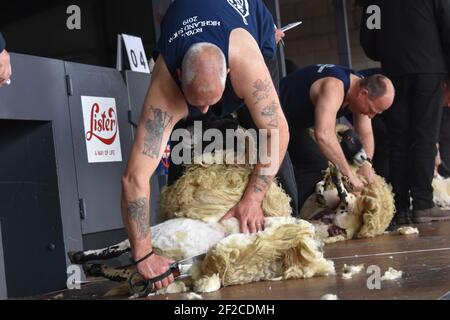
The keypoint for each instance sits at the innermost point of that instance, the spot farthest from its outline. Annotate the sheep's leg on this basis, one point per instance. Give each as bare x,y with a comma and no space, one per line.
320,193
102,270
114,251
337,179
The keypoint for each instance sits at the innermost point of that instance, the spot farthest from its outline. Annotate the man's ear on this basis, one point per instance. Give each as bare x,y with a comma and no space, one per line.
179,74
364,92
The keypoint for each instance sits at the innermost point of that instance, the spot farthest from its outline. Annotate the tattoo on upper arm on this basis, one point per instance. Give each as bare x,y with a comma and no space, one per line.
139,213
271,112
262,182
154,127
261,89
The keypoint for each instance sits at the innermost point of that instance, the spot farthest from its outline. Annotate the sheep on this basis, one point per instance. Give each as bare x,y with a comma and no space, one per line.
441,193
339,215
286,249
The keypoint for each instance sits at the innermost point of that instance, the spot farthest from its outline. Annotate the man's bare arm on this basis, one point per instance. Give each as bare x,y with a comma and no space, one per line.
164,107
327,95
252,81
363,127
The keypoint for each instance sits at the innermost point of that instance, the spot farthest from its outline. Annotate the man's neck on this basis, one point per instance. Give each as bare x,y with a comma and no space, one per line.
354,85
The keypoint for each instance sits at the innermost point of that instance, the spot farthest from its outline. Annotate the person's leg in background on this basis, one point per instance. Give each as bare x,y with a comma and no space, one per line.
398,125
426,110
381,155
308,161
444,137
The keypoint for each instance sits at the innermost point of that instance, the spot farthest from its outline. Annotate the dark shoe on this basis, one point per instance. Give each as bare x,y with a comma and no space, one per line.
430,215
403,217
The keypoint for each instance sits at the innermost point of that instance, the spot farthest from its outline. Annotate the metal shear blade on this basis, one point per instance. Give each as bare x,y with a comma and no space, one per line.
179,270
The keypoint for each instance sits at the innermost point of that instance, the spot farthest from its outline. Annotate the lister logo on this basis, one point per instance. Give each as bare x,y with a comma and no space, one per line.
103,125
101,129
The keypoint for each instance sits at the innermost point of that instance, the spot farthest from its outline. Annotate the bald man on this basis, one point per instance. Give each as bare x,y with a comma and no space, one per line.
201,43
5,63
315,97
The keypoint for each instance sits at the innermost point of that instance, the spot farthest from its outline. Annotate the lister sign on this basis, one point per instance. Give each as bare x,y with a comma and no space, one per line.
101,129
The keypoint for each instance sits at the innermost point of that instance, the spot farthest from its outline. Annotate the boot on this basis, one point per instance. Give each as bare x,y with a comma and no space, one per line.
403,217
429,215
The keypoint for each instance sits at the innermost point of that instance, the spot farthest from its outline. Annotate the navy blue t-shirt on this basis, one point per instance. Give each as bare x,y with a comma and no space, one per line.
295,92
192,21
2,43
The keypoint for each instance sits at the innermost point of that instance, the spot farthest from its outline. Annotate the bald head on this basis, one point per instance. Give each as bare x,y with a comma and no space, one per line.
374,95
377,86
203,74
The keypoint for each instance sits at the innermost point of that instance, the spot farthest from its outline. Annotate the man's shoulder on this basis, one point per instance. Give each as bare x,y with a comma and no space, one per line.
329,83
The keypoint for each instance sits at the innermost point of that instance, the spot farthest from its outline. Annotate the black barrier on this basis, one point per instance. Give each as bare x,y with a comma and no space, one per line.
38,197
99,188
52,198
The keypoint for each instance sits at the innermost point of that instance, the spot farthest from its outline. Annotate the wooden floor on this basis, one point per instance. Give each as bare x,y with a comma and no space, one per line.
424,260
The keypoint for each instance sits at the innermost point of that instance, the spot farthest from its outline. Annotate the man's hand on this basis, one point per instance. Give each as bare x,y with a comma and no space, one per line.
367,172
156,266
356,184
5,67
279,35
249,214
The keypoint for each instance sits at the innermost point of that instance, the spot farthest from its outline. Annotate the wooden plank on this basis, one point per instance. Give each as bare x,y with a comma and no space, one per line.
424,259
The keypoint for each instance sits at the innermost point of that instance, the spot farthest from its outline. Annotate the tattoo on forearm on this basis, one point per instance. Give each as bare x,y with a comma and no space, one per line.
154,127
271,112
139,213
262,182
261,90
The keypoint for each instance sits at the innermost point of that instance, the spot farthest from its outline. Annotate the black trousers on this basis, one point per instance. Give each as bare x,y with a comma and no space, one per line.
308,161
286,172
444,137
381,138
413,124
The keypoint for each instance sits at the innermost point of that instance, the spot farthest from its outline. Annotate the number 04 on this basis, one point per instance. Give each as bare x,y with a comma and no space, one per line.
141,59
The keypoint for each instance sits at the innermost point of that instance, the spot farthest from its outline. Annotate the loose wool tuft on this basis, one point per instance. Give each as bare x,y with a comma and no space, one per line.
208,192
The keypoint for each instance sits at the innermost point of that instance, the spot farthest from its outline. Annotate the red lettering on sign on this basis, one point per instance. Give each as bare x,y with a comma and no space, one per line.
102,124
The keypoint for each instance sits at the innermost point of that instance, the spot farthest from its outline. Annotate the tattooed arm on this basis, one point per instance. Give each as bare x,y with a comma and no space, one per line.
251,81
164,107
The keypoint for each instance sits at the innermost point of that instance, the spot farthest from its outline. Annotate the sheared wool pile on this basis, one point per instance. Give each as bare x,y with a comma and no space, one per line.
208,192
286,249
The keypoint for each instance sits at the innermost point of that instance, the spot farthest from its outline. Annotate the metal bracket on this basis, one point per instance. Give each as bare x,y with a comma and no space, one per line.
82,206
69,85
